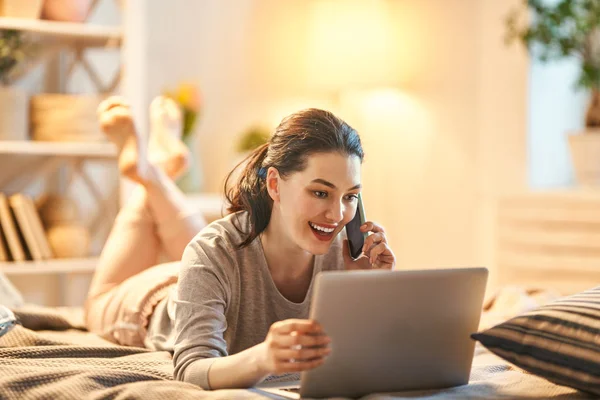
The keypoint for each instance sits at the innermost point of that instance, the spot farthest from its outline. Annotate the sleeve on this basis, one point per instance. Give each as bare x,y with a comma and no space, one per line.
202,296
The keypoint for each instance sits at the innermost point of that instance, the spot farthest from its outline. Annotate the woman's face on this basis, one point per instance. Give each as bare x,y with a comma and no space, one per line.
317,203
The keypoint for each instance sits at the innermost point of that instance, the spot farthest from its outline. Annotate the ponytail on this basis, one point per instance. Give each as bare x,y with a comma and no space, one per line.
250,194
299,135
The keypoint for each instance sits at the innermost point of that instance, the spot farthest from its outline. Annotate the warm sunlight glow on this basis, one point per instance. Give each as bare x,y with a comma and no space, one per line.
352,44
384,112
286,106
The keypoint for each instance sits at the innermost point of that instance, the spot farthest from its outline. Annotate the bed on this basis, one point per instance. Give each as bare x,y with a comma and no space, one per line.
52,356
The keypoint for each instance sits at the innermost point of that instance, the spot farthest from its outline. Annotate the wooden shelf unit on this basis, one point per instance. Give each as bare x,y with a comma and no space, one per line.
86,35
52,40
54,266
59,149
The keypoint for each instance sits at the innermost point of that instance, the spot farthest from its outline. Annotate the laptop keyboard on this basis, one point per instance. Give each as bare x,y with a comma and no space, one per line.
290,377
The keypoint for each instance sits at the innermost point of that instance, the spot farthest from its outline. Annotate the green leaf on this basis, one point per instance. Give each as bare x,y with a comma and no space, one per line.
12,52
560,29
253,138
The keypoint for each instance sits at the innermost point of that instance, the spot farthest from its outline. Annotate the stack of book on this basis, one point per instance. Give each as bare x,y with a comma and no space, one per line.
22,235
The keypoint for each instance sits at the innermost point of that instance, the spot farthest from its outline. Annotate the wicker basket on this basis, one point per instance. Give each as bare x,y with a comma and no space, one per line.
65,118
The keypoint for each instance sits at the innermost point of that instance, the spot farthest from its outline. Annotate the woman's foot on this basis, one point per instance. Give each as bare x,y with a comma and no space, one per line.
115,119
166,148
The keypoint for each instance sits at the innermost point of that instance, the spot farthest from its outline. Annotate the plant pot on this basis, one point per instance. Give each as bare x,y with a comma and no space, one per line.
66,10
585,156
14,113
28,9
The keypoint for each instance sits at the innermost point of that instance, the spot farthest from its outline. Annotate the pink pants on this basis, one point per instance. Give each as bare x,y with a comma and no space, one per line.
121,315
129,280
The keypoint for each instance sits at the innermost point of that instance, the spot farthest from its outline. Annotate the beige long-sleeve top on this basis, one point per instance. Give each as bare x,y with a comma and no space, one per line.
227,300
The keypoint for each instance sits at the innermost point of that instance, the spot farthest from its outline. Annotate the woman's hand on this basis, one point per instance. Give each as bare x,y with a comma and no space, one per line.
376,252
294,345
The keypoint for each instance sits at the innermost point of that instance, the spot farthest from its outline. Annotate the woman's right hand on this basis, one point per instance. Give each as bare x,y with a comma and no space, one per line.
294,345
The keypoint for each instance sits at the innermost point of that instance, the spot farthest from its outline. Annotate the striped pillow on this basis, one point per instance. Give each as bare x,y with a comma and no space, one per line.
559,342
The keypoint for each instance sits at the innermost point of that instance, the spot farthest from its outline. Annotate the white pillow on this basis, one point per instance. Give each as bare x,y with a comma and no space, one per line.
9,295
7,320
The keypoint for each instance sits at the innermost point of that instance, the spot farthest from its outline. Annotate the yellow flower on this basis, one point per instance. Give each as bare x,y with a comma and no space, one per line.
188,96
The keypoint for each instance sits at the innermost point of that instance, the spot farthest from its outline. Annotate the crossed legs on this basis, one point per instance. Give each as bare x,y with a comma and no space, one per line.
155,219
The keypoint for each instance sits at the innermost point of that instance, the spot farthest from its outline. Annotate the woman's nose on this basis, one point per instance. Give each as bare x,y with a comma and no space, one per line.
336,211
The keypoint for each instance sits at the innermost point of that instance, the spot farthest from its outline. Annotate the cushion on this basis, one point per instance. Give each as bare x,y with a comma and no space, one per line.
559,341
7,320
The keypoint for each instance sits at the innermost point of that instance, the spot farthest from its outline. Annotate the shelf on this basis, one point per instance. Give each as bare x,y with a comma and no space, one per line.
83,34
62,149
56,266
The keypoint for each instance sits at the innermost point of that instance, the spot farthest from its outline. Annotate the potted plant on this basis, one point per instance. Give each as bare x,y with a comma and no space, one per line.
13,101
568,29
253,137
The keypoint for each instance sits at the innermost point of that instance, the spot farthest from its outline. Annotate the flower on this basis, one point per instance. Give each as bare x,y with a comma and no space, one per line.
187,96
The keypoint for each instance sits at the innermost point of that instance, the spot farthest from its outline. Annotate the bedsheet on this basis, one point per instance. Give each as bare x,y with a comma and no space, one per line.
51,356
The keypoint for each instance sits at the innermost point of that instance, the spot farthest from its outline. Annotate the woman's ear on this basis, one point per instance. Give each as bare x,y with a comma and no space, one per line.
273,183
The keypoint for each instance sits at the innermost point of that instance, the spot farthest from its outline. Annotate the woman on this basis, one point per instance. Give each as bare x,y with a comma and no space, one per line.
239,309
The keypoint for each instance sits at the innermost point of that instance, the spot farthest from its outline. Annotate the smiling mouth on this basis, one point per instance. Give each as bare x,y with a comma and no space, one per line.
322,232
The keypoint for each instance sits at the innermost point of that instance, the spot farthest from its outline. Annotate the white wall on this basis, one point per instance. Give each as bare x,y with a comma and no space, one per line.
556,109
460,134
245,58
438,152
501,123
425,147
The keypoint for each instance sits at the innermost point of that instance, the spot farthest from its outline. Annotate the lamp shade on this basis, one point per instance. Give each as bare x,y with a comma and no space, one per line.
351,45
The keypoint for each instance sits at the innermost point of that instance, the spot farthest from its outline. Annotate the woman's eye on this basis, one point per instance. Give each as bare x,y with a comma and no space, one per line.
320,194
351,197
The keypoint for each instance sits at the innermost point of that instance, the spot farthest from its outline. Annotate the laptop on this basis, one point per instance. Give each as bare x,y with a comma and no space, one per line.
391,331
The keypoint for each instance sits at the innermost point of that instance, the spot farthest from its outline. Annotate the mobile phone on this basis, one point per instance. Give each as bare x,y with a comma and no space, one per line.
356,238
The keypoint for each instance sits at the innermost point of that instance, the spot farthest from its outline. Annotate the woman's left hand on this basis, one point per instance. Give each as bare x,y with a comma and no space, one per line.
376,252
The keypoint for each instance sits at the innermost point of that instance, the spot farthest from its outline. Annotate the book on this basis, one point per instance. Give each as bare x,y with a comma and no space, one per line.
20,210
4,255
10,230
38,228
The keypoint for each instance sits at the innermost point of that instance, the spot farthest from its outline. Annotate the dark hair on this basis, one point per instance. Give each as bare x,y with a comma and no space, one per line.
299,135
